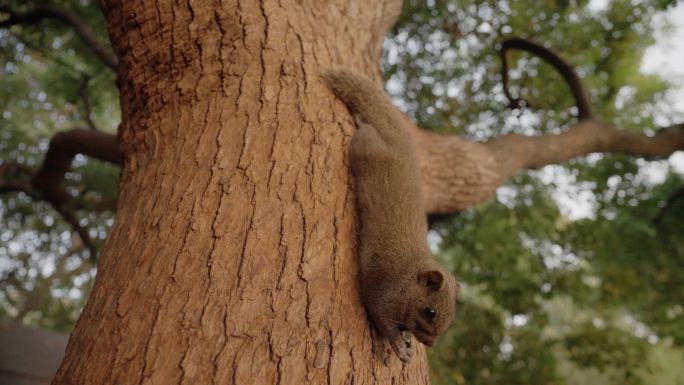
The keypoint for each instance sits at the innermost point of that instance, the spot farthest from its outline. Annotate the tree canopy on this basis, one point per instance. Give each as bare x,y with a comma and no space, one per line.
552,293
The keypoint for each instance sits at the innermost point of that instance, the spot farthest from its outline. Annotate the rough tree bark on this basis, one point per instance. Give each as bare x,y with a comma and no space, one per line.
232,257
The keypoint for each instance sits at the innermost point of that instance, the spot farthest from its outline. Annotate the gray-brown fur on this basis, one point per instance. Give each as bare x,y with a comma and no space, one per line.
400,279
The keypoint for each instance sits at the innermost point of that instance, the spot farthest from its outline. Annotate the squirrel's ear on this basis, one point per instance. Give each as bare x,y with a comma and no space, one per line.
432,279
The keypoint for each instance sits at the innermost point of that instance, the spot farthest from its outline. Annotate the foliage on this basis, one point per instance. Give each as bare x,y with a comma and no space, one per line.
48,76
552,295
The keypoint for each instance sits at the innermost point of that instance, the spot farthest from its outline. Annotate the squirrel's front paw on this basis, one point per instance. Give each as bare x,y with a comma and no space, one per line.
402,343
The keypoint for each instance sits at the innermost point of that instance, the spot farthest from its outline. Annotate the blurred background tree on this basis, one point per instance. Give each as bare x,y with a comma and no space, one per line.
573,275
51,82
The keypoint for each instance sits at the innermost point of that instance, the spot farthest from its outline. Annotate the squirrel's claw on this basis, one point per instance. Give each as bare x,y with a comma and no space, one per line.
402,344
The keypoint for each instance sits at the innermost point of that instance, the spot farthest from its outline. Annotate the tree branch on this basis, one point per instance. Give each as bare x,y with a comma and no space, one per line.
8,167
18,187
66,214
82,232
51,12
458,173
515,152
63,147
566,70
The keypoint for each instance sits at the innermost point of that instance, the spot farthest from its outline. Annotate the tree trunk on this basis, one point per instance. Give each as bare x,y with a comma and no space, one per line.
232,258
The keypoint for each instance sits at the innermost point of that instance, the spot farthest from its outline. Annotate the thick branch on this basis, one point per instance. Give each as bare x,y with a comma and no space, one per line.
458,173
566,70
79,203
63,147
516,152
50,12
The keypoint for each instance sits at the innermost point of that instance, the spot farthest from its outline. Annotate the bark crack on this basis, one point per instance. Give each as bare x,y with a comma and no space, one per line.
244,243
284,249
198,45
222,44
157,309
272,159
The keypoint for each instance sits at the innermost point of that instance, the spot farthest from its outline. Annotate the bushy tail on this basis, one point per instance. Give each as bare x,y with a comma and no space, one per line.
365,98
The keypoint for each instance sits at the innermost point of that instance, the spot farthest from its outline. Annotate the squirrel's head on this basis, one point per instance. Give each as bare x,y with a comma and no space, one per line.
418,302
433,304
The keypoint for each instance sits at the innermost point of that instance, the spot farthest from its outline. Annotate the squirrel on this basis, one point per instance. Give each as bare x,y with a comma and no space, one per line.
404,289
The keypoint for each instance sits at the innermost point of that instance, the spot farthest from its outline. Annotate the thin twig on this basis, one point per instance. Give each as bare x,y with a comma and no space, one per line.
83,93
579,92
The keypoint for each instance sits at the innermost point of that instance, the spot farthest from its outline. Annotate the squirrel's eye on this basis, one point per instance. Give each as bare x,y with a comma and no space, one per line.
429,313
